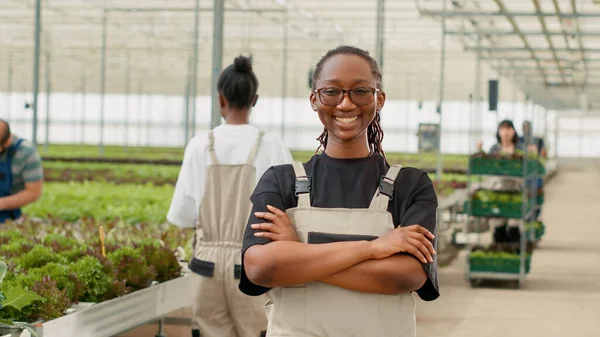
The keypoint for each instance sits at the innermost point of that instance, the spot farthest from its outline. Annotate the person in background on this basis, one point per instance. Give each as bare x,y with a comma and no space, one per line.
534,144
507,140
212,194
340,243
21,174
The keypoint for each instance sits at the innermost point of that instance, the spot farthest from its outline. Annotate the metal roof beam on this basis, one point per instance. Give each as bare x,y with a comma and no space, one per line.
526,33
542,59
500,5
191,9
548,39
562,26
581,49
504,13
509,49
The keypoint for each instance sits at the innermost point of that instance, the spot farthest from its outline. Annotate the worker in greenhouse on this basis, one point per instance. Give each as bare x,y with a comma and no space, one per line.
508,141
217,177
536,144
21,174
340,243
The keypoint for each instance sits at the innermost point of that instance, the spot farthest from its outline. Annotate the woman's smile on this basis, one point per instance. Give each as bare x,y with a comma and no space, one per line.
346,121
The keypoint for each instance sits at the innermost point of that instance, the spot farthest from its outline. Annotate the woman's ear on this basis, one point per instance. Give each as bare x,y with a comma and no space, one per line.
222,101
380,100
313,101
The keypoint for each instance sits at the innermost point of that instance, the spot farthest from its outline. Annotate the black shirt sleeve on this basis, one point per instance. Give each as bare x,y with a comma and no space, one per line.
421,208
267,192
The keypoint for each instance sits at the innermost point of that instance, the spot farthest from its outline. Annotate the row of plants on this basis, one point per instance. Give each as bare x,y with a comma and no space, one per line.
65,270
167,153
130,203
101,174
113,173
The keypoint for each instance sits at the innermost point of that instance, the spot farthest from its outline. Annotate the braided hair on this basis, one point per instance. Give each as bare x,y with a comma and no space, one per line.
374,131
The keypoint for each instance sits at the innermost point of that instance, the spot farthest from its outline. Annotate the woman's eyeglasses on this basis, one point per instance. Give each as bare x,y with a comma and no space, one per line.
335,96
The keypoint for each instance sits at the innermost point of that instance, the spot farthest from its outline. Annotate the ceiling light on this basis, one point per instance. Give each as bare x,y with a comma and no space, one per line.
338,28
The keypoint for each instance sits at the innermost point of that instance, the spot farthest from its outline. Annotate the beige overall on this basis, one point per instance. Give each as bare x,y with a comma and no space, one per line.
321,310
220,308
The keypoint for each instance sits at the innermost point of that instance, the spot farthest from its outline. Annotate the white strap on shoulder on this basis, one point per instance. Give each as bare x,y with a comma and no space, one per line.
211,148
302,185
385,190
255,148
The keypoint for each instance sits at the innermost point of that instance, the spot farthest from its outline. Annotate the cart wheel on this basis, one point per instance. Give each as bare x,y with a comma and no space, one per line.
516,284
475,282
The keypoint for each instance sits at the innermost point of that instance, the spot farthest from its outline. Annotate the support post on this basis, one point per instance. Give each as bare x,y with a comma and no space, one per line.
477,98
379,38
556,131
47,124
102,83
186,117
438,171
127,79
217,61
36,68
195,72
83,112
140,112
9,87
284,73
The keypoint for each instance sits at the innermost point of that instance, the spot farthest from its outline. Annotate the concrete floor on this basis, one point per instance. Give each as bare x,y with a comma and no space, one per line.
561,295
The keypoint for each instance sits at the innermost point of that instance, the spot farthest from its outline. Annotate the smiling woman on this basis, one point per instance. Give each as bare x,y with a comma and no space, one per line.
342,240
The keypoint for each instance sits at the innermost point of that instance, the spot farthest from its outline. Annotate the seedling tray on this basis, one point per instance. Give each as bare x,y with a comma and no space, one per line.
511,265
495,209
505,167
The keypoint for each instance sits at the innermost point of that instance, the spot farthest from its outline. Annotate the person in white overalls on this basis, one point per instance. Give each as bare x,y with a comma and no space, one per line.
340,243
218,174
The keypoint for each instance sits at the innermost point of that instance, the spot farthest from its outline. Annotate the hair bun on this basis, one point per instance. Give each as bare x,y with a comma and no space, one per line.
243,64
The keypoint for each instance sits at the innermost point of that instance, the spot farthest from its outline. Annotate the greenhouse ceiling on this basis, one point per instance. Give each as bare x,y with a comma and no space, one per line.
550,48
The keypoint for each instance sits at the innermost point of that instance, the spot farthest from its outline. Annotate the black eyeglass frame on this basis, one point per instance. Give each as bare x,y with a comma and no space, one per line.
344,92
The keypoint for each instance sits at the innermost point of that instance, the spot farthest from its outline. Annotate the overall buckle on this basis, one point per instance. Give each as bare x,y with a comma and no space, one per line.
386,187
302,185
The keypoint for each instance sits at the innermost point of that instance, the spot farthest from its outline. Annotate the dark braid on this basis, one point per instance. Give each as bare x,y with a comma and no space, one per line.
374,131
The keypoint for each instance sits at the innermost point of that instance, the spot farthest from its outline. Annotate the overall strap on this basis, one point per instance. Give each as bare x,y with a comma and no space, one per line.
385,190
255,148
302,185
12,149
211,148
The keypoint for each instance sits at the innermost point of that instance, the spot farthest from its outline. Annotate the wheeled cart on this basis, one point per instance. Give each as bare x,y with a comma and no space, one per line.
515,196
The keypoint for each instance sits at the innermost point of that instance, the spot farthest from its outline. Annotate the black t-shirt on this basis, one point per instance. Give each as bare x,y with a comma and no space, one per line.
347,183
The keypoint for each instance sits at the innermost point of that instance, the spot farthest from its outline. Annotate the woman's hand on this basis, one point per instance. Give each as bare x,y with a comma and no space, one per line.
410,239
479,146
279,229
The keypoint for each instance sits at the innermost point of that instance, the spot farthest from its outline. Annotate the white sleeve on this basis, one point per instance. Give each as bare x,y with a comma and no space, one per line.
183,211
280,153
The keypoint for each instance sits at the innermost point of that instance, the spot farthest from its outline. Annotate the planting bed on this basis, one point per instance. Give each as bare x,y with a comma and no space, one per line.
65,263
113,173
129,203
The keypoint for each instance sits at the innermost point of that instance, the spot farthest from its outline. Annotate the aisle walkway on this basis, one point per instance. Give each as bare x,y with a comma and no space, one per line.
561,296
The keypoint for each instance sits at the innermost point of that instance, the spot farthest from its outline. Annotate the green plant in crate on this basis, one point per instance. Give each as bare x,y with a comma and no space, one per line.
13,300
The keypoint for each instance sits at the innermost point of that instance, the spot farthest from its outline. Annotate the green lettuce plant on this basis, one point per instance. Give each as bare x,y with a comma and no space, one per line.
16,298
